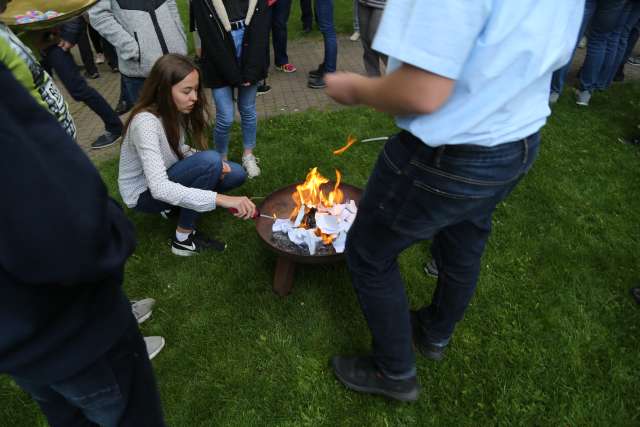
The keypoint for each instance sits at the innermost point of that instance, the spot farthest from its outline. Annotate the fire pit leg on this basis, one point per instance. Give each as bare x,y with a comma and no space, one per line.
283,277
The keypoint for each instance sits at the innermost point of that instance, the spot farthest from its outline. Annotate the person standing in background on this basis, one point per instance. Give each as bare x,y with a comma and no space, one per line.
370,14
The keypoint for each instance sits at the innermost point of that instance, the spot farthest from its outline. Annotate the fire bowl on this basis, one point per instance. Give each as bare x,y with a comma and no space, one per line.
289,254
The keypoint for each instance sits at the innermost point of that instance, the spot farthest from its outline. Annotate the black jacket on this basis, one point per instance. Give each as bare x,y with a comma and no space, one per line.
63,245
219,64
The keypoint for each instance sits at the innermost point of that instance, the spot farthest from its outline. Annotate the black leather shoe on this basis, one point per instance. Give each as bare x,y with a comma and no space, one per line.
318,72
635,293
360,374
316,82
428,350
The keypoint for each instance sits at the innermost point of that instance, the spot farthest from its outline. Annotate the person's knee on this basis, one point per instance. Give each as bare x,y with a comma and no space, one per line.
224,119
211,160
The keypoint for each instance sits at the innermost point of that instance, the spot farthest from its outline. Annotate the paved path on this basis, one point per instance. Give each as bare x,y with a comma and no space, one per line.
289,91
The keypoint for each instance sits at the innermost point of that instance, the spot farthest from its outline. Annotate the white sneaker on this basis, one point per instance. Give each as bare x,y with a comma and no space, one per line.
99,58
142,309
553,97
250,164
584,96
154,345
355,36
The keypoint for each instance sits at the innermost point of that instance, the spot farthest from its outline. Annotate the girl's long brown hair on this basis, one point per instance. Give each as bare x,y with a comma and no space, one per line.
157,99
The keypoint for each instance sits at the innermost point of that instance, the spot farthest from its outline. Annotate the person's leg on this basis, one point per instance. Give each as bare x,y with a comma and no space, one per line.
118,389
110,55
631,16
369,21
559,76
86,55
279,18
324,9
133,87
410,197
306,15
616,45
96,39
79,90
248,116
604,21
223,99
356,22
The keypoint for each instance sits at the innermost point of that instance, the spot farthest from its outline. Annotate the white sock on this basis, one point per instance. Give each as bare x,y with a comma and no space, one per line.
181,237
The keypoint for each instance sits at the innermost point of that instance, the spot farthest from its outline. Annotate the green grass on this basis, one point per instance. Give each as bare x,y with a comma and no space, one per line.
551,337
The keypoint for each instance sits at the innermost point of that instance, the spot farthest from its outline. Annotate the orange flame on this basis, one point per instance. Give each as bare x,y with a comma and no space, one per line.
350,141
310,194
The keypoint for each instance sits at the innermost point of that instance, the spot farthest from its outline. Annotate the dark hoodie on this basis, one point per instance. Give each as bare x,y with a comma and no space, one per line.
63,245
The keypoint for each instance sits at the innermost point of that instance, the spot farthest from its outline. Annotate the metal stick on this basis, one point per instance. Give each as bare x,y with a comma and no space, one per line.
379,138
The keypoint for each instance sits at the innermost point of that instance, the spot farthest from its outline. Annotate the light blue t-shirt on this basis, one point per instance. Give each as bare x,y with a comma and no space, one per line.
500,52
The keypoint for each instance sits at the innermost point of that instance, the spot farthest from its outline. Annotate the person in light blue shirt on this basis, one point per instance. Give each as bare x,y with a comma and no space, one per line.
468,82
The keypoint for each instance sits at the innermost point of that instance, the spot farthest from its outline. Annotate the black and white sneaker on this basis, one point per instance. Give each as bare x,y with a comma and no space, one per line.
194,244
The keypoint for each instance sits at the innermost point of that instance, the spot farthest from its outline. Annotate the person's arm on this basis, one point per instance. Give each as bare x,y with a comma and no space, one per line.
428,43
408,90
57,225
145,133
103,21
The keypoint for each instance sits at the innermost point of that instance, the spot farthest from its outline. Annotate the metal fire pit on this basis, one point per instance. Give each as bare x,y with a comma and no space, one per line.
289,254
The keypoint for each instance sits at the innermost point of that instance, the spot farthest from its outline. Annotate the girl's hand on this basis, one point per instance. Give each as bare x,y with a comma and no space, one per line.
244,206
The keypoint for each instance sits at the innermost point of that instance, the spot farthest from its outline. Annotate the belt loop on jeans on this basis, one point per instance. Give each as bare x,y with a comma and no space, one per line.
236,25
525,156
438,155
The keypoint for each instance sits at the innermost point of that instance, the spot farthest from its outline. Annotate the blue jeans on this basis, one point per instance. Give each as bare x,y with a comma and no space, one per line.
201,170
279,17
356,20
223,98
306,13
415,193
324,12
63,64
560,76
118,389
132,87
604,21
617,43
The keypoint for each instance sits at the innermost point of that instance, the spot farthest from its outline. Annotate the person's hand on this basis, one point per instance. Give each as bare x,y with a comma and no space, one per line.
342,87
65,45
245,208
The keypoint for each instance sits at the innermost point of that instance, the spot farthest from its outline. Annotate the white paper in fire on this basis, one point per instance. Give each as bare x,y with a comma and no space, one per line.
335,222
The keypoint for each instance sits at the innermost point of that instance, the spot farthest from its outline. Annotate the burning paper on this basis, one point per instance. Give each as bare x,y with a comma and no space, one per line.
318,218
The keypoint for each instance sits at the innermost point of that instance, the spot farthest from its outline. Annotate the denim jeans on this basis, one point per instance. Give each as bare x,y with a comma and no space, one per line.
560,76
604,21
118,389
63,64
132,87
617,43
279,17
324,11
223,98
356,19
201,170
415,193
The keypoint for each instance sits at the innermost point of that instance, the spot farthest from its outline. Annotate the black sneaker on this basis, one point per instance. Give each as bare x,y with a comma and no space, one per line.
427,349
361,374
431,268
635,293
122,108
170,213
318,72
194,244
105,140
316,82
92,76
262,89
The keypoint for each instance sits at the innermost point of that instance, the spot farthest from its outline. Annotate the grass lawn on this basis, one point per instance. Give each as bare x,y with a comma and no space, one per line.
551,338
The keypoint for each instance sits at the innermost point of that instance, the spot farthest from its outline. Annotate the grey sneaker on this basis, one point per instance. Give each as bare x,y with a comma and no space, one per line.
250,164
431,268
142,309
633,60
105,140
154,345
553,97
584,96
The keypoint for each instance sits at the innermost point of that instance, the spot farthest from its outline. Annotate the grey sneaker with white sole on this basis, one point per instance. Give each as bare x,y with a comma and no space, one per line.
142,309
154,345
